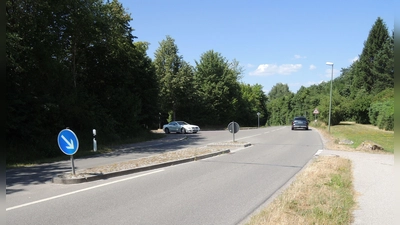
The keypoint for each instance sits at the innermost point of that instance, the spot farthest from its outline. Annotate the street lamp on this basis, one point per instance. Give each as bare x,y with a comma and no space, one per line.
258,119
330,98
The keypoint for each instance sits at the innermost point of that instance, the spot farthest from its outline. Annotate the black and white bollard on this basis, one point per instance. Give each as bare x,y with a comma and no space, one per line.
94,141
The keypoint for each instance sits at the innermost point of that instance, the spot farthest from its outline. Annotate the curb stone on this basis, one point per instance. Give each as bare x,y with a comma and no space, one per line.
243,145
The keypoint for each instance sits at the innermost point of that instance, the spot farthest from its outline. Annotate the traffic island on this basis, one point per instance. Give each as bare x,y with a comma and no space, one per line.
119,169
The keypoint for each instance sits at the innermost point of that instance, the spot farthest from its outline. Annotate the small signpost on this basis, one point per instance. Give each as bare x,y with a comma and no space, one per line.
315,114
69,144
233,128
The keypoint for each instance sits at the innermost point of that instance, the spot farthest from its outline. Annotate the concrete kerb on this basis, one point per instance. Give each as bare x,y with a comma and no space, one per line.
231,144
61,179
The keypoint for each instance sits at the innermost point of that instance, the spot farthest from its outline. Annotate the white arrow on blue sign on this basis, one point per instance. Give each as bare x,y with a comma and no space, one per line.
68,142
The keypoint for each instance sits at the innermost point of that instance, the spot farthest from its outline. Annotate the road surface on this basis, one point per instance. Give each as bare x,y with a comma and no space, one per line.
225,189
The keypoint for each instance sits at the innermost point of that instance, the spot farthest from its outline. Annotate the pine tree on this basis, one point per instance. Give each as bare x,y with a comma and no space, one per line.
383,67
365,79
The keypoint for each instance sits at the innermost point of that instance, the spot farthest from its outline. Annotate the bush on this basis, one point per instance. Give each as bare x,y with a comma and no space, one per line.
388,122
381,114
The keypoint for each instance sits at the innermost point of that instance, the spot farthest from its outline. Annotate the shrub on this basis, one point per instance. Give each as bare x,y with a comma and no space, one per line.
381,114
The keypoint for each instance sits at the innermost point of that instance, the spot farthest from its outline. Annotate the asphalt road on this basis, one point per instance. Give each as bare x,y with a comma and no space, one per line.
225,189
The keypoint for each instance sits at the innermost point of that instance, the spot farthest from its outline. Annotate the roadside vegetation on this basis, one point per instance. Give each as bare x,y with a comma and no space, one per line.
84,69
356,134
321,194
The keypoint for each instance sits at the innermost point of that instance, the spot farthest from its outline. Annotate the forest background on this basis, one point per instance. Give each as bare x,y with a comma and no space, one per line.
76,64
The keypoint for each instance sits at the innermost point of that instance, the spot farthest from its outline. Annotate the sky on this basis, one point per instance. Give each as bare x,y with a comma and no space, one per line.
281,41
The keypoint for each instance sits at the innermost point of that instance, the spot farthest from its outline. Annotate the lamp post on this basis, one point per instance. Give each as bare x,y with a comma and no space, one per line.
258,120
330,98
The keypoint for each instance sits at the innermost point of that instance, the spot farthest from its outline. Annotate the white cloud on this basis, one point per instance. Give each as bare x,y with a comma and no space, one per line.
309,83
354,59
272,69
296,86
312,67
299,57
328,73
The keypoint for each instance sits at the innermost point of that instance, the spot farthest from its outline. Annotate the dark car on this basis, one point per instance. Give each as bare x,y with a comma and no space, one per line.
300,122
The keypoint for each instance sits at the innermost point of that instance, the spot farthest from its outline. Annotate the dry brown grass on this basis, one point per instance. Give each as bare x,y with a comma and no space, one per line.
321,194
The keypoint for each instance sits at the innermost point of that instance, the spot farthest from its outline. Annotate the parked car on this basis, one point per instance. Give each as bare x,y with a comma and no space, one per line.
300,122
180,127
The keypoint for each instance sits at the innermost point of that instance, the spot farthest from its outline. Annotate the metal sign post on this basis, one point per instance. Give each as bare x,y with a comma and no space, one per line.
315,114
233,127
233,133
72,164
69,144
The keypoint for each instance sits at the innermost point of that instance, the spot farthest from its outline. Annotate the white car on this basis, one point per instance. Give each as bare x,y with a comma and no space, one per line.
180,127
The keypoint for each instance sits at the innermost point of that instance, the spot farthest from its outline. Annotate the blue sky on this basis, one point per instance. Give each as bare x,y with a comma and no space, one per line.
274,41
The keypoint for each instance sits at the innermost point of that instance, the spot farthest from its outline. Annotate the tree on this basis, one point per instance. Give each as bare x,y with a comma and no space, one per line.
383,67
253,101
73,64
365,78
185,91
278,90
216,83
280,110
167,63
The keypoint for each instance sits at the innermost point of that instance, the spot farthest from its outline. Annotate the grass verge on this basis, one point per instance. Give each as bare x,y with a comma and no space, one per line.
321,194
357,133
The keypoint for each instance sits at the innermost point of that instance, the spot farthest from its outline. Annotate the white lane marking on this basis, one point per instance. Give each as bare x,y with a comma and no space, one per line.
248,137
318,152
239,149
261,133
82,190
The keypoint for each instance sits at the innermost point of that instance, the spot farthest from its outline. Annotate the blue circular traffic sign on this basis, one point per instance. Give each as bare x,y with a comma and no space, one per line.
68,142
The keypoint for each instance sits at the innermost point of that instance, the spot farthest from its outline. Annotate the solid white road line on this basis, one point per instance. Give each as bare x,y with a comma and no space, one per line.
82,190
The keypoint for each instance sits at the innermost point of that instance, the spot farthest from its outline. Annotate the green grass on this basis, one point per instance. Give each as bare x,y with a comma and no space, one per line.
359,133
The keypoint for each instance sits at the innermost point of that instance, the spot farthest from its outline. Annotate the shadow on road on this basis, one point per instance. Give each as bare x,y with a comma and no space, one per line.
304,130
33,175
43,173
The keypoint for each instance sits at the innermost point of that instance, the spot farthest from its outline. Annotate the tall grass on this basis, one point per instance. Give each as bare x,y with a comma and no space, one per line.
322,194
